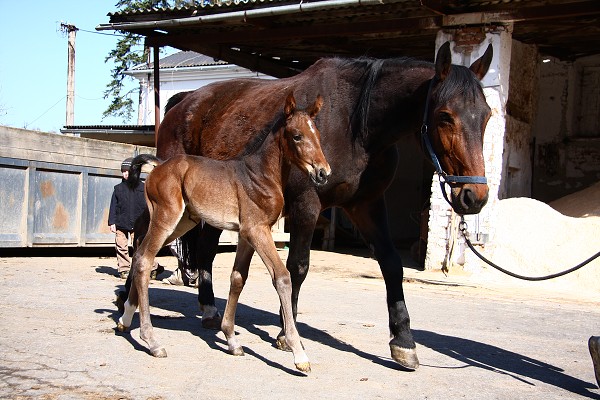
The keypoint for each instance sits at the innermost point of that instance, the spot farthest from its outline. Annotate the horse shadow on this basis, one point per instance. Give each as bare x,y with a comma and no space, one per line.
498,360
185,316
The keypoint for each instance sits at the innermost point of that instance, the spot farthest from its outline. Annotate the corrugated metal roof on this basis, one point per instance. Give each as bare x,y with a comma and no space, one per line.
112,127
183,59
204,4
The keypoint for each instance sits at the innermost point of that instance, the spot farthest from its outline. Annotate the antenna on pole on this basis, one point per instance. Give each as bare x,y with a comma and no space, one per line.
71,31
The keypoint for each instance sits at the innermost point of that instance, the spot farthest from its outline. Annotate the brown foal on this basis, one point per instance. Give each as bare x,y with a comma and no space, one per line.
243,194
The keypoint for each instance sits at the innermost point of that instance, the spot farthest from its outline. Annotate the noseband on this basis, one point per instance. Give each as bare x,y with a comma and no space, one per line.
443,176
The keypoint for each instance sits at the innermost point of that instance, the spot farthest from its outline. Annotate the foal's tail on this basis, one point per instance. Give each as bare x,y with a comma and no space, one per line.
136,167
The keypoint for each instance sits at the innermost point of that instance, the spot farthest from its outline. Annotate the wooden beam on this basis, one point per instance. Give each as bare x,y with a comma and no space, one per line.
253,62
284,34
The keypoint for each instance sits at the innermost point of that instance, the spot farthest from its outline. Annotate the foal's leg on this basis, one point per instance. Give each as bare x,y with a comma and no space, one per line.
303,213
371,220
239,274
262,240
143,260
150,247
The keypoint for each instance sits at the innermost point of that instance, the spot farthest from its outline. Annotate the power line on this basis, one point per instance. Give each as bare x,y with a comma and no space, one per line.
102,33
45,112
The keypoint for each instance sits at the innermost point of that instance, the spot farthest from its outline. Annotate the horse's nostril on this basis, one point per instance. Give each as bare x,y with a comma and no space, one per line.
322,175
468,198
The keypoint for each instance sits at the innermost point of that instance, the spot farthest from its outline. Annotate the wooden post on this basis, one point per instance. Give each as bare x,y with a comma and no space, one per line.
71,30
156,94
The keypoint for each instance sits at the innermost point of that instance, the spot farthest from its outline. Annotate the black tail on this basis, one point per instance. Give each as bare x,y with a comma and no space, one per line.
175,99
136,167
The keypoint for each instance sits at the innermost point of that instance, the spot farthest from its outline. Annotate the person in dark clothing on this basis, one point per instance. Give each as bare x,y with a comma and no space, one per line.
126,205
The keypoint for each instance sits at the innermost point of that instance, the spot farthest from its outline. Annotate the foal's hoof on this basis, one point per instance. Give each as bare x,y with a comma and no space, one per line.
238,352
159,353
121,327
407,358
303,366
213,322
281,344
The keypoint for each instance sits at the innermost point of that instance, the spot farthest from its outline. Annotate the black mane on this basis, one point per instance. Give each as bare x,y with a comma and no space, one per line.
370,68
460,81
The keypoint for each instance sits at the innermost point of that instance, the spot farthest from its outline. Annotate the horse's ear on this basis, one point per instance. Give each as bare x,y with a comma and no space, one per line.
290,105
314,109
480,67
443,61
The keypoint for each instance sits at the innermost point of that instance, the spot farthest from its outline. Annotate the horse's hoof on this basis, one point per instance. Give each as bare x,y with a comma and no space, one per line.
281,344
303,366
121,327
238,352
407,358
159,353
594,348
213,322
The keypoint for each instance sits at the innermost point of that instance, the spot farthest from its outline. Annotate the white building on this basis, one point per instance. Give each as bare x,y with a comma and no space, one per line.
179,72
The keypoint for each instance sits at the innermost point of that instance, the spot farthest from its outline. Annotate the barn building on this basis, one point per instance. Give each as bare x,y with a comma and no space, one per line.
542,142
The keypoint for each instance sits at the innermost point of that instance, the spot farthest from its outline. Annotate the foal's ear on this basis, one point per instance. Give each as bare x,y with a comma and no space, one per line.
314,109
443,61
290,105
480,66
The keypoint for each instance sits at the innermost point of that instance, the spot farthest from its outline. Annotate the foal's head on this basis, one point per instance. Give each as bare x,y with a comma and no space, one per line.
457,116
303,140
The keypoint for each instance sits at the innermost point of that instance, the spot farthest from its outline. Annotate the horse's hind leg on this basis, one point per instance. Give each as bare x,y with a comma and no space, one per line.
207,245
239,274
262,241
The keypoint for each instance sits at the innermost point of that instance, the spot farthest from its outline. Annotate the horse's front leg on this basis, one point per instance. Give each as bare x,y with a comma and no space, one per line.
262,241
371,220
239,275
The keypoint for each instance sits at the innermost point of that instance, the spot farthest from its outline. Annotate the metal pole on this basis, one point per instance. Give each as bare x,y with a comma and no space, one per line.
156,94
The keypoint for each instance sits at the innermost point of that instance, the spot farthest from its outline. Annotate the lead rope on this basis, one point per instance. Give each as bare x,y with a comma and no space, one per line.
463,228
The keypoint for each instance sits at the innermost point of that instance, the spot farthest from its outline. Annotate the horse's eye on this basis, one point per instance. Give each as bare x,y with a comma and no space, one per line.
445,118
297,138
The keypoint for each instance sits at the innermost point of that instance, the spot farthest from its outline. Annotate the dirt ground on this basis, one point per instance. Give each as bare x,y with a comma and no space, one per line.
476,338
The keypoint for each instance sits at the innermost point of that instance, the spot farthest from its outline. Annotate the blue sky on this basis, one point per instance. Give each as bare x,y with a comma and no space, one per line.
33,63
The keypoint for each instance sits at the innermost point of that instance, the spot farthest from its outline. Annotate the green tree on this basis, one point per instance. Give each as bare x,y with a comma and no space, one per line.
128,53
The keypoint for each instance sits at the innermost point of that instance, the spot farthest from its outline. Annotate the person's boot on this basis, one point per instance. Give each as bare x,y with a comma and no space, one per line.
175,279
594,347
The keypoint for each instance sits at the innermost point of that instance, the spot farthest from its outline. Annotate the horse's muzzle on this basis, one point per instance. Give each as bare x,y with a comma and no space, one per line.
320,176
469,201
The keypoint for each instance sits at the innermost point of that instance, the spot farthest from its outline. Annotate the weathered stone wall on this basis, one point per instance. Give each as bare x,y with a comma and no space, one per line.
567,133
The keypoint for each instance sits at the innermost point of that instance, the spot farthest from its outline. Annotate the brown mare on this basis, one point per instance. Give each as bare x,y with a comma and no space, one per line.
370,104
245,195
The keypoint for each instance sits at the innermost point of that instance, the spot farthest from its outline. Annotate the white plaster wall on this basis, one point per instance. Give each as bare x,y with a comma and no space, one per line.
444,244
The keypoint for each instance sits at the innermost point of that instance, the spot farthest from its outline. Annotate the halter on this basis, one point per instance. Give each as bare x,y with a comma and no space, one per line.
443,176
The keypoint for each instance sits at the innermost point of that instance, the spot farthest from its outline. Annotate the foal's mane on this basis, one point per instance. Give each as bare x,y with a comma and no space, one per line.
271,128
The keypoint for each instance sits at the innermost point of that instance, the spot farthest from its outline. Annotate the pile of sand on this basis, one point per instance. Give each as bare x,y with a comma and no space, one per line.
585,203
533,239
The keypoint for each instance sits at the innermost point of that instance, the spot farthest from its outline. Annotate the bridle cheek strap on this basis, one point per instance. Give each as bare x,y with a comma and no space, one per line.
443,177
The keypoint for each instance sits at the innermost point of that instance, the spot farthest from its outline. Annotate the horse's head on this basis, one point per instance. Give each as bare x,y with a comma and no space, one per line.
455,120
303,139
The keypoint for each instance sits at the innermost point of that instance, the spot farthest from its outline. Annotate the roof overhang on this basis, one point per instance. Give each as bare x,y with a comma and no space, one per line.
281,38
